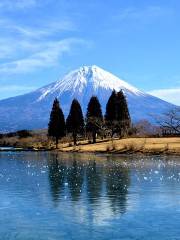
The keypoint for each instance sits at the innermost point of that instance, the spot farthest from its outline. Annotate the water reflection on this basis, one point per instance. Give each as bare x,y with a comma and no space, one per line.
57,173
117,183
54,196
92,180
75,180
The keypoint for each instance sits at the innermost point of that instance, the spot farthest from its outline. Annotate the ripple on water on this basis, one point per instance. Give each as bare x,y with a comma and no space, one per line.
61,196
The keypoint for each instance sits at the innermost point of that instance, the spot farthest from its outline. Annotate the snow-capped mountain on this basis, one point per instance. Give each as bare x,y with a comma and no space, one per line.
91,78
32,110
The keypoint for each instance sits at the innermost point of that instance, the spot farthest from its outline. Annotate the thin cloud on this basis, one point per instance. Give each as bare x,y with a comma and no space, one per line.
17,4
16,40
171,95
25,48
44,31
150,12
130,18
47,28
12,88
48,57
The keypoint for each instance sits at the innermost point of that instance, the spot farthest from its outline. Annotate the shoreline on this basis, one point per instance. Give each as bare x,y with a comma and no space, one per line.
96,152
128,146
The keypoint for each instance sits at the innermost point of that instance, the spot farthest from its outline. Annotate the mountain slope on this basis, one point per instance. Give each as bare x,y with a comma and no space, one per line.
31,110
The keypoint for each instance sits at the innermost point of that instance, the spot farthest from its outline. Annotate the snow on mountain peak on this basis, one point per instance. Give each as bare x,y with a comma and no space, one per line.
80,84
92,77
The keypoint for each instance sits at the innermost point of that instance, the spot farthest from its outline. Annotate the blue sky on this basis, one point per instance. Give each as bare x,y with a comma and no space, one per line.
139,41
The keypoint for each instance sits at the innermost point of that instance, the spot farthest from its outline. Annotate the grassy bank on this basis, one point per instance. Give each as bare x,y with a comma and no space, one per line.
130,145
170,145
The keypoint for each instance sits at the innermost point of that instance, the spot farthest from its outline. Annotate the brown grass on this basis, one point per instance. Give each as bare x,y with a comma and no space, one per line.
128,145
144,145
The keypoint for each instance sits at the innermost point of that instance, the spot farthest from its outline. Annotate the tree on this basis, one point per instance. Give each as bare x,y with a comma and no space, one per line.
170,122
123,116
56,126
117,116
94,117
144,128
75,120
111,113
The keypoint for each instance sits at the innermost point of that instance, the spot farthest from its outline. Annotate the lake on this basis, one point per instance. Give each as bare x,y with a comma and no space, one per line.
76,196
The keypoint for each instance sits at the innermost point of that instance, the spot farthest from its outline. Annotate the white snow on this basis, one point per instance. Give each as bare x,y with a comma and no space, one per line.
93,76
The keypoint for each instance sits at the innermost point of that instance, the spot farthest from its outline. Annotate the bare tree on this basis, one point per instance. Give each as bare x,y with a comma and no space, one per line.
145,128
170,123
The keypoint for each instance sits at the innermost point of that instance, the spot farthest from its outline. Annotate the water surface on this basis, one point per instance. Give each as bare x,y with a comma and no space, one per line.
72,196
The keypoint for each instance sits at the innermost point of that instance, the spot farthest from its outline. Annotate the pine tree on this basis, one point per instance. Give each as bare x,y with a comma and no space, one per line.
94,117
75,120
111,113
56,126
117,114
123,116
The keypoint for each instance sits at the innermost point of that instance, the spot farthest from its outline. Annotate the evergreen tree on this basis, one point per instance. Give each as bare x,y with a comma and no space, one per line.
123,116
111,113
94,117
56,126
75,120
117,114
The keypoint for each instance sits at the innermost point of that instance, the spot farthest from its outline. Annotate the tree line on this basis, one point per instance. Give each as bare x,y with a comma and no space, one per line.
115,121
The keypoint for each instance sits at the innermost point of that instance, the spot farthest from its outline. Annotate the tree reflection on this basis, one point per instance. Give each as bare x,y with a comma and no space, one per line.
75,180
100,183
117,183
57,173
94,182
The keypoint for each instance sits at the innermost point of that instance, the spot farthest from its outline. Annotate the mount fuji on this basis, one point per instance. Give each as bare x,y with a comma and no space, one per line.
31,111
